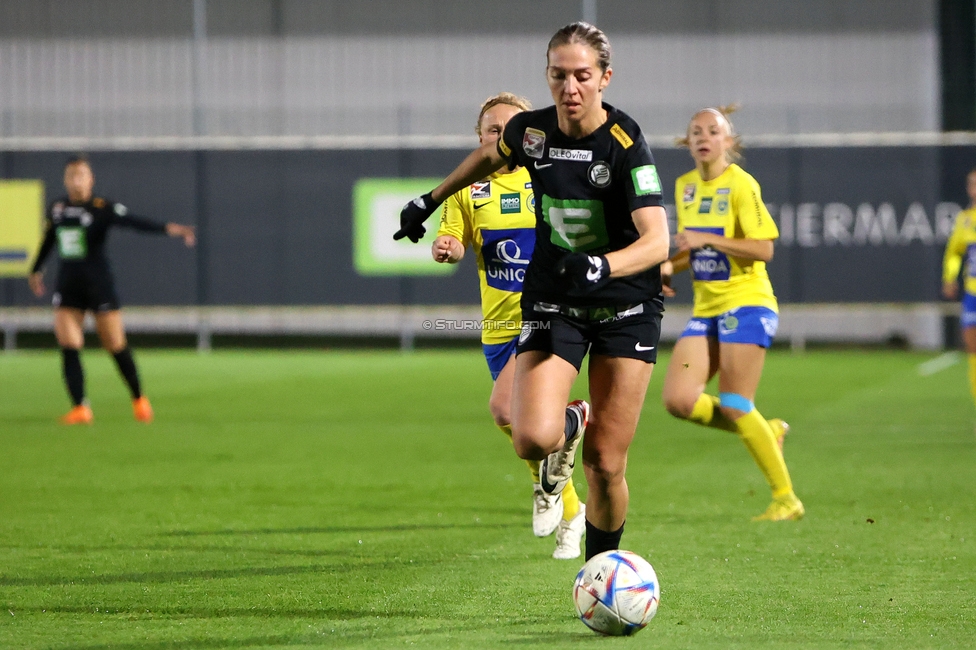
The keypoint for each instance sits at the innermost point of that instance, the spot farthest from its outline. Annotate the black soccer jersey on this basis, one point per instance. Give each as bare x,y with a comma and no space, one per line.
585,190
80,231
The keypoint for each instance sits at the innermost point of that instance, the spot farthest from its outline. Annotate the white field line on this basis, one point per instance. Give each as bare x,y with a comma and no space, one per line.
938,364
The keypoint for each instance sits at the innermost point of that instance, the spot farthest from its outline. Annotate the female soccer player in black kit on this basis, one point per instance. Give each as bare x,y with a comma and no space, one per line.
78,225
594,283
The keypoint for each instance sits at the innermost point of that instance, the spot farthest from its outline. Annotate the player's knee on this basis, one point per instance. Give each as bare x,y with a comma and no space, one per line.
680,406
500,410
527,448
533,442
602,467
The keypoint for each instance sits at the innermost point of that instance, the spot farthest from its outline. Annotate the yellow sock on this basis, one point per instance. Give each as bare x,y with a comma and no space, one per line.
571,502
533,464
760,440
706,413
972,375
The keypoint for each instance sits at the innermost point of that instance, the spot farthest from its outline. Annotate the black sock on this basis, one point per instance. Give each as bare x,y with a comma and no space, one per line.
598,541
127,366
74,374
572,424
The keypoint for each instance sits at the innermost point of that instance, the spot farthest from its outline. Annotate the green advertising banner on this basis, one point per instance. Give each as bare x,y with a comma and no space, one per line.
376,204
21,225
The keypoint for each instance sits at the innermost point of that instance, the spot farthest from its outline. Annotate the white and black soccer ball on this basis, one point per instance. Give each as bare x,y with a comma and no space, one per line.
616,593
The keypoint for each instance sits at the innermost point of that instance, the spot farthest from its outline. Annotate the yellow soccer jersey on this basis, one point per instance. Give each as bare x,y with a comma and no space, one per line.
730,205
496,217
961,243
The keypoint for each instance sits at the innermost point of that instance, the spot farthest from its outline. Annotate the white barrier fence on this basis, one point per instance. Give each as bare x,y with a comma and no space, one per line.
920,325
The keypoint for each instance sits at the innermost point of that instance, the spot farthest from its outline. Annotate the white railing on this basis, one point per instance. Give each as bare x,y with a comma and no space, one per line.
919,325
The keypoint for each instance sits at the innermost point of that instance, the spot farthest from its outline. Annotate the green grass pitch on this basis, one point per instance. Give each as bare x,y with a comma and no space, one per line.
365,500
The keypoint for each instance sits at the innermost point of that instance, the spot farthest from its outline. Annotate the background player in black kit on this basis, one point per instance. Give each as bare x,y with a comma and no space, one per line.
594,283
78,225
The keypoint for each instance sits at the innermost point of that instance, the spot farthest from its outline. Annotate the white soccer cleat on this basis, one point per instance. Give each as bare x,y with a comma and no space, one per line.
557,468
547,511
569,534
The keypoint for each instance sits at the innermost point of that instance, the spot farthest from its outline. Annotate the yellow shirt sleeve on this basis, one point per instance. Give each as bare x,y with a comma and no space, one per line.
455,220
955,249
753,218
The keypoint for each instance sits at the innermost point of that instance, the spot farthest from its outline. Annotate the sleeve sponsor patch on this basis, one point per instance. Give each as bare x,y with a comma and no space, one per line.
533,142
646,180
621,136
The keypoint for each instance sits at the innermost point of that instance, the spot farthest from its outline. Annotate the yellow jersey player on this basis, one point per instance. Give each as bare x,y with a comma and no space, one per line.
962,243
495,217
725,236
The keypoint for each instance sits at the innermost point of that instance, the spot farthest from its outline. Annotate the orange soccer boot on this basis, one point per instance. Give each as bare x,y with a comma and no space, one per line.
780,429
81,414
142,409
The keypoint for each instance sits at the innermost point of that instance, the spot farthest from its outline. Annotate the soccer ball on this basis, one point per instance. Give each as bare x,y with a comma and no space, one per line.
616,593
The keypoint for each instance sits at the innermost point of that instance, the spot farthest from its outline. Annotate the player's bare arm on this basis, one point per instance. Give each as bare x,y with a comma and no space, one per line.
480,163
650,249
760,250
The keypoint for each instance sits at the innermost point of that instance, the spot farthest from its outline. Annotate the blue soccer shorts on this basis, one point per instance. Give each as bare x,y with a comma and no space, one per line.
968,318
498,354
755,325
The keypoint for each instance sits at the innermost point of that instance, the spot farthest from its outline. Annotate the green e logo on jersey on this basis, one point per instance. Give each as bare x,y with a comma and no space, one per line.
646,180
72,244
577,224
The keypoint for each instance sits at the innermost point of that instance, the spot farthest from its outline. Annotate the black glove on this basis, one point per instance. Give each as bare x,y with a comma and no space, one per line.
584,272
412,218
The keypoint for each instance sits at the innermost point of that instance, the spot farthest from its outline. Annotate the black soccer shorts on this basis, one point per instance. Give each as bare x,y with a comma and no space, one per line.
88,289
628,331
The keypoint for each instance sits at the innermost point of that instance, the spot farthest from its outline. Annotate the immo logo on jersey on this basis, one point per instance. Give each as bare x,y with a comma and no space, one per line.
506,253
511,203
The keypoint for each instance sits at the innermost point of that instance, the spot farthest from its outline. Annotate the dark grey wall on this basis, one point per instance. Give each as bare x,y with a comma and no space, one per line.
278,227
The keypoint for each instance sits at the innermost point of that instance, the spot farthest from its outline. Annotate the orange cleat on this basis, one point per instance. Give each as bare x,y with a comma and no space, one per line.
81,414
142,409
780,429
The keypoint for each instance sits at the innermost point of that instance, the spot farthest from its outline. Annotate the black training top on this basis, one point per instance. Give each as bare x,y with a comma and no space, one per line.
80,231
585,190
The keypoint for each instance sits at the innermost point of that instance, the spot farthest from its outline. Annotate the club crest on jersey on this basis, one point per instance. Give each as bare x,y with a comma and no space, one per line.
481,190
729,324
533,143
689,193
599,174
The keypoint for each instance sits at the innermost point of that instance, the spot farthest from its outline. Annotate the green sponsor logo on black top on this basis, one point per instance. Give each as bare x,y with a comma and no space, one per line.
646,180
577,224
